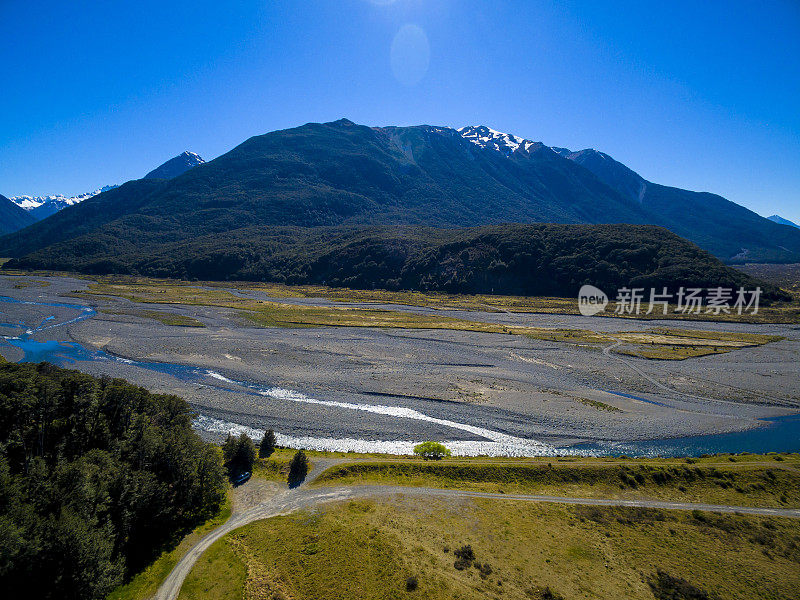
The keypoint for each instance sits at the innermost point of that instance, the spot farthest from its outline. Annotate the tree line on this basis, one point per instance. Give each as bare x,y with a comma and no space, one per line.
97,477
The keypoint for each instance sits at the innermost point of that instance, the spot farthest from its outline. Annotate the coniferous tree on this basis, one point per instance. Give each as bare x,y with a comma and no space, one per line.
267,446
298,468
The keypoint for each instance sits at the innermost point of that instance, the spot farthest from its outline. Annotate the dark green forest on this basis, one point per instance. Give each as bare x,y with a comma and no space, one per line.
97,477
529,260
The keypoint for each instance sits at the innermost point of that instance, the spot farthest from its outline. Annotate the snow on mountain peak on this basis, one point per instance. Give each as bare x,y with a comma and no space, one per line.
486,137
44,206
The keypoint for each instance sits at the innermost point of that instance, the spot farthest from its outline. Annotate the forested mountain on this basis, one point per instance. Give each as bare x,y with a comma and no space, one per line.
727,230
538,259
96,476
350,178
12,217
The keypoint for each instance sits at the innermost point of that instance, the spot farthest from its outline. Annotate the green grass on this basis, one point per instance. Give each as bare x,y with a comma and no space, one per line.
165,318
598,405
368,550
145,584
738,484
276,467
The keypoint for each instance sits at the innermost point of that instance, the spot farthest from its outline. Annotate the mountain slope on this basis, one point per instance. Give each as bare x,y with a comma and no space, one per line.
41,207
339,173
724,228
781,221
343,175
12,217
541,259
175,166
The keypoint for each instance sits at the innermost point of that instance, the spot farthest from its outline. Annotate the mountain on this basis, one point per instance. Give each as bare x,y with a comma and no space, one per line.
782,221
176,166
239,213
12,217
724,228
334,174
41,207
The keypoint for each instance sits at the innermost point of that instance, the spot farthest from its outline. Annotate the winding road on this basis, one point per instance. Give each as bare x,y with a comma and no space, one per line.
304,496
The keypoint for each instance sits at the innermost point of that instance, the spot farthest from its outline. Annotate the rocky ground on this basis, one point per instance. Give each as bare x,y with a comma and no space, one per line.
508,384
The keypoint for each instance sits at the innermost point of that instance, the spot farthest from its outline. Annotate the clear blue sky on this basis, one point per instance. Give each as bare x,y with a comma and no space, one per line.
701,95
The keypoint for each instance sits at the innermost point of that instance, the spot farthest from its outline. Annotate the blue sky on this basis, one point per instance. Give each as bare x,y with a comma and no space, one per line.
701,95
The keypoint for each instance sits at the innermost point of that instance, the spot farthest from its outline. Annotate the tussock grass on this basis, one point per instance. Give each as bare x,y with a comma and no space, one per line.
661,343
746,485
518,550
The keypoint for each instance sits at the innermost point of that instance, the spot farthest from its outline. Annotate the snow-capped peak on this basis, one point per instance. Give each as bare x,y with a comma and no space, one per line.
485,137
43,206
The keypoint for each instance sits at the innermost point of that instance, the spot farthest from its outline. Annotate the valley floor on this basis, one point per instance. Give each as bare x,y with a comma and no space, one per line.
322,372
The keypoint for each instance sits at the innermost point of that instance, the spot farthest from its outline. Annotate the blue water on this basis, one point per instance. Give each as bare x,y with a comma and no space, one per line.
779,434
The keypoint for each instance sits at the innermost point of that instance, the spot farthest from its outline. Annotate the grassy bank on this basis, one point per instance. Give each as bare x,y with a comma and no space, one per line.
748,483
405,548
778,313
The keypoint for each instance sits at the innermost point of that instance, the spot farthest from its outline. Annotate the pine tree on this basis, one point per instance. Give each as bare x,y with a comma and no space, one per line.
267,446
298,468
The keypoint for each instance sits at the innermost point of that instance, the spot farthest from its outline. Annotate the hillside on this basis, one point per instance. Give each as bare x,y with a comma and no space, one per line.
343,175
553,260
12,217
727,230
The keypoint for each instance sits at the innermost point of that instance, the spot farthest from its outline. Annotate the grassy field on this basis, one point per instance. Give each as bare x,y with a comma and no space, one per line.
788,312
406,548
165,318
276,467
659,343
769,482
779,313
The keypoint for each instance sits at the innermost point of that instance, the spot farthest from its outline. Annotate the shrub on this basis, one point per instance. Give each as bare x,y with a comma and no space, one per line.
667,587
464,557
412,584
431,450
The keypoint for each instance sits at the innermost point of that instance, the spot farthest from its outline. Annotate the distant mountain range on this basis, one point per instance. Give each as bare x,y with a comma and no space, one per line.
12,217
782,221
241,214
41,207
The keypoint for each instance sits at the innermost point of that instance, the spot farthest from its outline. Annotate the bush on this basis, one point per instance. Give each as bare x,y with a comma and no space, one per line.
239,454
298,468
431,450
267,446
464,557
667,587
412,584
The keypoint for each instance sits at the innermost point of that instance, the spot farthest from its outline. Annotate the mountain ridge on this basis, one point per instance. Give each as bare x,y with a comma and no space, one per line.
354,177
